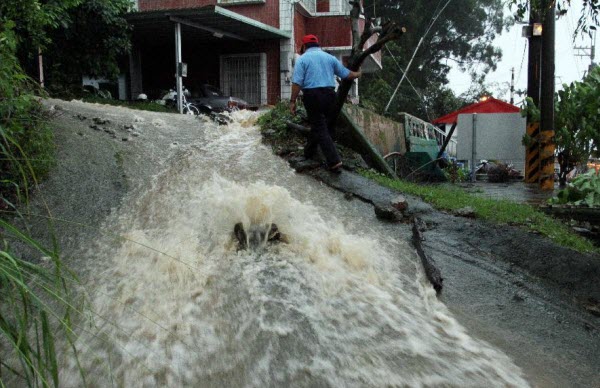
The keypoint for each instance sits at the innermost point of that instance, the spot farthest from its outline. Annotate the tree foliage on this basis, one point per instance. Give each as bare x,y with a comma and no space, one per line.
462,34
577,115
34,18
93,42
75,36
26,147
577,122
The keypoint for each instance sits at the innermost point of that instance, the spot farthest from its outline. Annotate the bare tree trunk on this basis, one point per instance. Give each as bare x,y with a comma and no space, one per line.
387,32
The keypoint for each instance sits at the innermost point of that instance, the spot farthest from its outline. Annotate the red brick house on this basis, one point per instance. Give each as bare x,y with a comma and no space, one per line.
246,47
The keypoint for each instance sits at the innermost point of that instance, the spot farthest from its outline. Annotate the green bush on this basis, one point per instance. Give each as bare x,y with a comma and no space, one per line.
26,143
583,190
454,173
274,122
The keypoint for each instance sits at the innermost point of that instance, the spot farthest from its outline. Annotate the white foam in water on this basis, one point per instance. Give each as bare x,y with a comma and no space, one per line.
339,304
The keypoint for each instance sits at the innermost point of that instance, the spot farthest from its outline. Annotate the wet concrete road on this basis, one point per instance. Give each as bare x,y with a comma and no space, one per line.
489,284
554,341
514,191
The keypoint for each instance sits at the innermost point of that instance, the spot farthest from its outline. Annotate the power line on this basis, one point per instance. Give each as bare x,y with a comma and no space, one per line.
522,61
570,29
410,83
585,51
414,54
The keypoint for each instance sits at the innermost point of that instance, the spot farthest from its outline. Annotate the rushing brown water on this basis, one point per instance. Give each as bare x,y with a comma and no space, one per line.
341,303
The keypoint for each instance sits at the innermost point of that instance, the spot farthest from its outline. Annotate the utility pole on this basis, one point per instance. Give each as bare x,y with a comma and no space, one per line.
546,136
512,85
533,33
591,53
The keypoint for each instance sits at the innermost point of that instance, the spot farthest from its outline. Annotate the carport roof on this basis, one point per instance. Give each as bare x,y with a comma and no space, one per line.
210,20
491,105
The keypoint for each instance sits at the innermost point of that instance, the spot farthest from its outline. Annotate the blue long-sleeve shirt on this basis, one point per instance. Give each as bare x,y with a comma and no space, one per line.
316,68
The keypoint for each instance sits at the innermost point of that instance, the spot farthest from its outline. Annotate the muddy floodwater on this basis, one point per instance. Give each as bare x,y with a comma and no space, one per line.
339,304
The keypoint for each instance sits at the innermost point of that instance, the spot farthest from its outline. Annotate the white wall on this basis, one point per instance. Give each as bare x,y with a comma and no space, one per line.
498,136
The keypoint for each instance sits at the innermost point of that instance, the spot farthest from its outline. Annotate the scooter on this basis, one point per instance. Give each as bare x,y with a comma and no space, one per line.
170,100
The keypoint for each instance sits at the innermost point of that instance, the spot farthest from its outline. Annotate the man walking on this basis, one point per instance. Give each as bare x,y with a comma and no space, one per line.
314,75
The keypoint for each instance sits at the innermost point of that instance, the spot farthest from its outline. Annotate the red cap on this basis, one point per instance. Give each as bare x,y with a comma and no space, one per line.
310,39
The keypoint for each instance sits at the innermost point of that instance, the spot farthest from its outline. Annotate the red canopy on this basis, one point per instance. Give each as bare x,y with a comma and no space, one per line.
491,105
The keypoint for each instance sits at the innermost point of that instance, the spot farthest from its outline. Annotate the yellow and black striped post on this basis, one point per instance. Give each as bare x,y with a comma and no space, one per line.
547,147
546,136
532,154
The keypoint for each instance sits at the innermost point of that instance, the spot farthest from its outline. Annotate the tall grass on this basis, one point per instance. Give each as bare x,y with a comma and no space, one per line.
35,307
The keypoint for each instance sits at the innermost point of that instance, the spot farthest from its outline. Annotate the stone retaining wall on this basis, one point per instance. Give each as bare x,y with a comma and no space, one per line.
386,135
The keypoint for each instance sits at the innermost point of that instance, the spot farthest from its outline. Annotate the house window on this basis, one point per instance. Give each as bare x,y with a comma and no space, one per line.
245,76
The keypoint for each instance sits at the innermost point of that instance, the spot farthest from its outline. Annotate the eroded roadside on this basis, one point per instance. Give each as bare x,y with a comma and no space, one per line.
516,289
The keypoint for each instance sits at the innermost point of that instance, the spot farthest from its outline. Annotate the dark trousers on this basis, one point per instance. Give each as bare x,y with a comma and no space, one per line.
319,104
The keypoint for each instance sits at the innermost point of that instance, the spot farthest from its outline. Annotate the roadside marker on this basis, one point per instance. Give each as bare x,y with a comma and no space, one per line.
532,157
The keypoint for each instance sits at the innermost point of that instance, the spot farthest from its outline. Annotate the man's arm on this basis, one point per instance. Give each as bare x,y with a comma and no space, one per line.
354,75
343,72
295,92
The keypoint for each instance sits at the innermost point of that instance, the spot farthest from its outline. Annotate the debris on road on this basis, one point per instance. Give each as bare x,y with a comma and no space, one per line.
431,271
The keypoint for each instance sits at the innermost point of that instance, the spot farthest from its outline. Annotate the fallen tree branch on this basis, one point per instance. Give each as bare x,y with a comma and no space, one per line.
387,32
301,129
431,271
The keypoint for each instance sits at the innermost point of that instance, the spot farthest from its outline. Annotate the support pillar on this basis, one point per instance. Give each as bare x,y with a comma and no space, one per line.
447,139
178,80
474,148
41,67
135,72
287,48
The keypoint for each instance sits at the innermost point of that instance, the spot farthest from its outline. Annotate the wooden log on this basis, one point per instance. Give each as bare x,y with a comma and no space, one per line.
301,129
431,271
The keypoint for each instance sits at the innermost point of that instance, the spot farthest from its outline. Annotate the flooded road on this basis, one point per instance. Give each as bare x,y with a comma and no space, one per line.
343,302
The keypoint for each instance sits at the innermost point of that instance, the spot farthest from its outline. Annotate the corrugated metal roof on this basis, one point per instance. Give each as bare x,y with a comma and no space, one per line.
491,105
209,22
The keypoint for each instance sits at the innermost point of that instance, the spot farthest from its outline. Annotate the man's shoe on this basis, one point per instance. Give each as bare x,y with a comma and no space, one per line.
312,156
336,168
